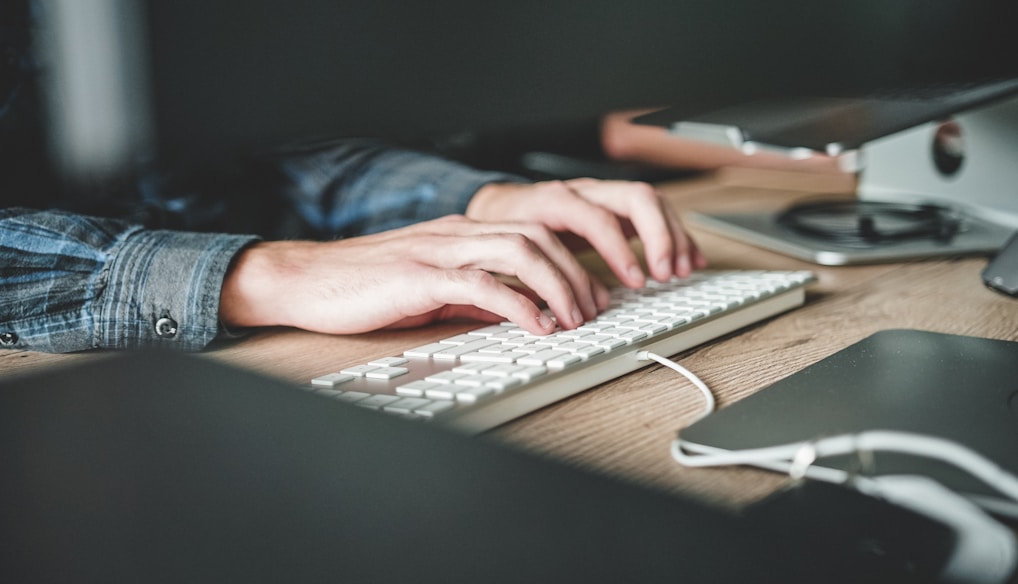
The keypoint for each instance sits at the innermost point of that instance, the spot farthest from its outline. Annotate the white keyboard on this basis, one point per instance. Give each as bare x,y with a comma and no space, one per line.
483,378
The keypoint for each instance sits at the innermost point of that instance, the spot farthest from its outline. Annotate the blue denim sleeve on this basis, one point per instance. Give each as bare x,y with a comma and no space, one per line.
347,188
72,282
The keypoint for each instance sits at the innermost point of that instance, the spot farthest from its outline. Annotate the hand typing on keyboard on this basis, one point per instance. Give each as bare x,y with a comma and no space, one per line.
446,268
604,214
487,376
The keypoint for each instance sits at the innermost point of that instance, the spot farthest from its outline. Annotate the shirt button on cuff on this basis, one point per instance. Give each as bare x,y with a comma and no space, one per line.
8,339
166,328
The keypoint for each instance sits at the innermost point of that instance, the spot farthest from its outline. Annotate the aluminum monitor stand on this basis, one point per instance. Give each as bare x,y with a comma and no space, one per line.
968,163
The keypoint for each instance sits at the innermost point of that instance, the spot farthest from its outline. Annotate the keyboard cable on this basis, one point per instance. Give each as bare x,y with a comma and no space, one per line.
708,396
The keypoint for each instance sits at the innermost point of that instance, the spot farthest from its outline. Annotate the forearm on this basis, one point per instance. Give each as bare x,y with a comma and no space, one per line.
358,187
72,283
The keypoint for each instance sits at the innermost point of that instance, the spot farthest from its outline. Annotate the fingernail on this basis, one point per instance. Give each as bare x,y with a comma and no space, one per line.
664,269
636,275
684,268
577,316
603,298
544,321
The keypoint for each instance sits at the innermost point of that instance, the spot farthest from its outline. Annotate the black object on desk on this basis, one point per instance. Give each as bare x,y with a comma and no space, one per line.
953,387
167,468
1001,273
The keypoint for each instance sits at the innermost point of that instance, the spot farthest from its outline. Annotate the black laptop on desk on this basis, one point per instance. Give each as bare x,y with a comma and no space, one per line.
165,468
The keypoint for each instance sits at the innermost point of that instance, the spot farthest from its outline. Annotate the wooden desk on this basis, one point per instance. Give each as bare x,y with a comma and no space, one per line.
623,428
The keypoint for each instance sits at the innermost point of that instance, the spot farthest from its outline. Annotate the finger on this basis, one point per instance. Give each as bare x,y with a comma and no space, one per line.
449,312
482,290
683,259
557,206
664,242
688,256
580,281
512,254
668,246
549,245
564,209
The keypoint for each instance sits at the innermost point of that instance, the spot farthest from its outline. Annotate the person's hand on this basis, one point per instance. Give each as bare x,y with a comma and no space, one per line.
431,271
606,214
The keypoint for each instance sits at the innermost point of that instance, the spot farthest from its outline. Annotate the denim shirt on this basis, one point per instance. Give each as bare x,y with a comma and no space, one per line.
72,282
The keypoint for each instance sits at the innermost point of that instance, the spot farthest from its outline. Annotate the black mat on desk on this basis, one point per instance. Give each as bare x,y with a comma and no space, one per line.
960,388
164,468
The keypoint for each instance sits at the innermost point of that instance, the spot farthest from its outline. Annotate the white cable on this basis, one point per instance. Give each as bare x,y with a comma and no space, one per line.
797,458
984,551
870,441
707,395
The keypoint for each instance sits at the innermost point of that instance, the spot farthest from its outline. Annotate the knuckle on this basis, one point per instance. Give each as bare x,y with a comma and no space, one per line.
554,188
644,191
536,232
581,182
482,279
602,218
455,218
518,243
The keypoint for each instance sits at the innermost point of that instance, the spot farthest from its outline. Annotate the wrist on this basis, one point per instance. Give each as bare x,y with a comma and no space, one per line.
486,204
253,287
479,202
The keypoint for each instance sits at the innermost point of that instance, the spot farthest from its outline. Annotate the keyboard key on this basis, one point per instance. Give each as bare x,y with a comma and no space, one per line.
541,357
471,368
425,351
416,388
360,370
377,401
611,343
435,407
653,328
500,348
583,351
445,377
406,405
563,361
446,392
353,396
473,394
532,372
500,384
477,380
389,362
508,357
632,336
327,392
453,352
488,331
503,370
675,321
386,372
459,339
331,380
